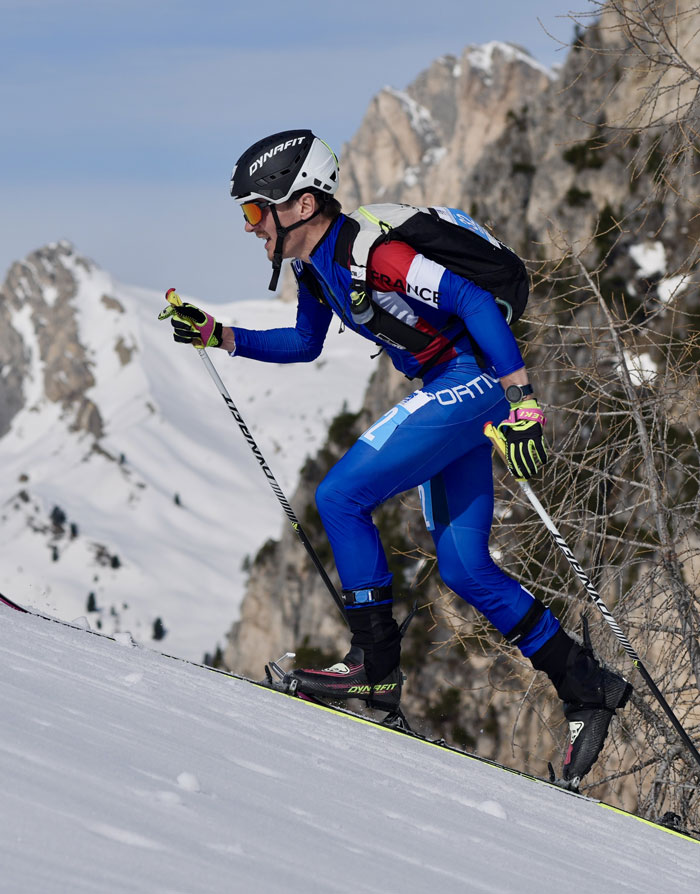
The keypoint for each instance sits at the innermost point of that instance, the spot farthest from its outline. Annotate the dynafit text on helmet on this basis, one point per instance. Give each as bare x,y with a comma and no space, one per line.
437,292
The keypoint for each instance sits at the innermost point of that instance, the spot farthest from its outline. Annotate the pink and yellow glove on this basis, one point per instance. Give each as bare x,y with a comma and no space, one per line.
192,325
523,435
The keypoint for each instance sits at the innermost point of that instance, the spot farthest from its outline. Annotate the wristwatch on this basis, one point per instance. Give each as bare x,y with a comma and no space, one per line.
516,393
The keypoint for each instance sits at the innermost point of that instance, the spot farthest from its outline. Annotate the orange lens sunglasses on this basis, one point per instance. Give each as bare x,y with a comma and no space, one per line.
252,211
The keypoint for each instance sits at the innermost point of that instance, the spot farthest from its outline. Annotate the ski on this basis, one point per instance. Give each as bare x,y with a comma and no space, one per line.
277,680
11,604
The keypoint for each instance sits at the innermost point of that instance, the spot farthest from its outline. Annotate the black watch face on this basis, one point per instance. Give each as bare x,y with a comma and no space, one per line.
514,393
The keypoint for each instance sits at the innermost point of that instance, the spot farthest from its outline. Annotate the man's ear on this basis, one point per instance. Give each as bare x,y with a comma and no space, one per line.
307,205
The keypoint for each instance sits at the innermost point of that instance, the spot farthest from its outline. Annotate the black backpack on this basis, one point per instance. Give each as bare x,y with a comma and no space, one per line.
445,235
450,237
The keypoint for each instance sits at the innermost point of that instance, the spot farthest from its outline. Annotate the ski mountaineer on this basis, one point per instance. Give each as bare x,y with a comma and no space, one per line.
433,439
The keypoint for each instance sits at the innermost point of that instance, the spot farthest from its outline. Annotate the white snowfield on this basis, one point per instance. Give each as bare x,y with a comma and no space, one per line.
125,771
172,492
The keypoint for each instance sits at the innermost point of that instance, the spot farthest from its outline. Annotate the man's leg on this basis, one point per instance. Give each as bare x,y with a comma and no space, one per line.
458,505
407,445
591,695
458,508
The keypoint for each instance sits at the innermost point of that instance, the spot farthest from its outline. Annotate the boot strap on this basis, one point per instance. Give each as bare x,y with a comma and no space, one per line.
368,596
527,622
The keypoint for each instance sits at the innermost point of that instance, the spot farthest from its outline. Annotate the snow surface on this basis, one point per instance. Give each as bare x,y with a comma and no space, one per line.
650,257
641,367
168,432
124,771
670,288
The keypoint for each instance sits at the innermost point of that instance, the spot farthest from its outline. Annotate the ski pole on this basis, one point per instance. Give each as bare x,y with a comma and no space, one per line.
498,442
175,301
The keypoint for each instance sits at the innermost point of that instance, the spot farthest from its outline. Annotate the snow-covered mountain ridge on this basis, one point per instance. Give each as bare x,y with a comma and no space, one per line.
125,771
127,485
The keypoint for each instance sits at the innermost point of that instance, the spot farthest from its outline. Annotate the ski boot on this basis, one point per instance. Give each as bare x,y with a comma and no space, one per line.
370,671
348,679
591,695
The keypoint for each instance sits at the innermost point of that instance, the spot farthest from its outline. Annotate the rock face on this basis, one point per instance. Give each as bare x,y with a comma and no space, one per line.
13,367
421,145
37,296
531,155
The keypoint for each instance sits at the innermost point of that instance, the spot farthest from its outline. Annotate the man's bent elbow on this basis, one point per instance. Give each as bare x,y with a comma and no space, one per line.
311,351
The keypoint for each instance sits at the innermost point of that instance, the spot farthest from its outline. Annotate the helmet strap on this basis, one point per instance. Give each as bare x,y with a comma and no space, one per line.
279,243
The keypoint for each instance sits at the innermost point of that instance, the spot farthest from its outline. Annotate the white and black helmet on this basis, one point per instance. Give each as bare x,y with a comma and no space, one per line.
275,168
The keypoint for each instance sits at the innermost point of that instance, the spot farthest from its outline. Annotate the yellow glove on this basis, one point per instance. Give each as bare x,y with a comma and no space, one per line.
192,325
523,434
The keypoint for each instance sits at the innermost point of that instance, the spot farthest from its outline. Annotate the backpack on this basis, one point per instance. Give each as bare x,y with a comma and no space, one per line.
446,235
451,238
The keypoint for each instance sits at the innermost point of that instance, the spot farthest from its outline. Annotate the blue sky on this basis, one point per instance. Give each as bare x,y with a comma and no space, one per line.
121,120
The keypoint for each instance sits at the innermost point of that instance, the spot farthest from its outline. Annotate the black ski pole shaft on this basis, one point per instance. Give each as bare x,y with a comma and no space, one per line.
175,300
496,439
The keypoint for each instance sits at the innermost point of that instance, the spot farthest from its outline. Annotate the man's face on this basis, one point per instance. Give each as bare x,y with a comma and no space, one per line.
288,213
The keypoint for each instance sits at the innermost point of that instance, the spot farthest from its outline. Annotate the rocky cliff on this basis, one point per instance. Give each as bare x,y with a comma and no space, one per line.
422,145
37,295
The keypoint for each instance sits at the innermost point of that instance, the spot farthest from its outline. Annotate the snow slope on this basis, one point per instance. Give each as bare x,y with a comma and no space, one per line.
125,771
171,491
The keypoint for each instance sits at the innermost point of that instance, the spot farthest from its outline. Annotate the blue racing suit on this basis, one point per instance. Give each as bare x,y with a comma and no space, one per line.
432,439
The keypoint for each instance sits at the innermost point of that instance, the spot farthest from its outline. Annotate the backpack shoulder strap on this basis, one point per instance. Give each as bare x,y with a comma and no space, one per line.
374,223
305,277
